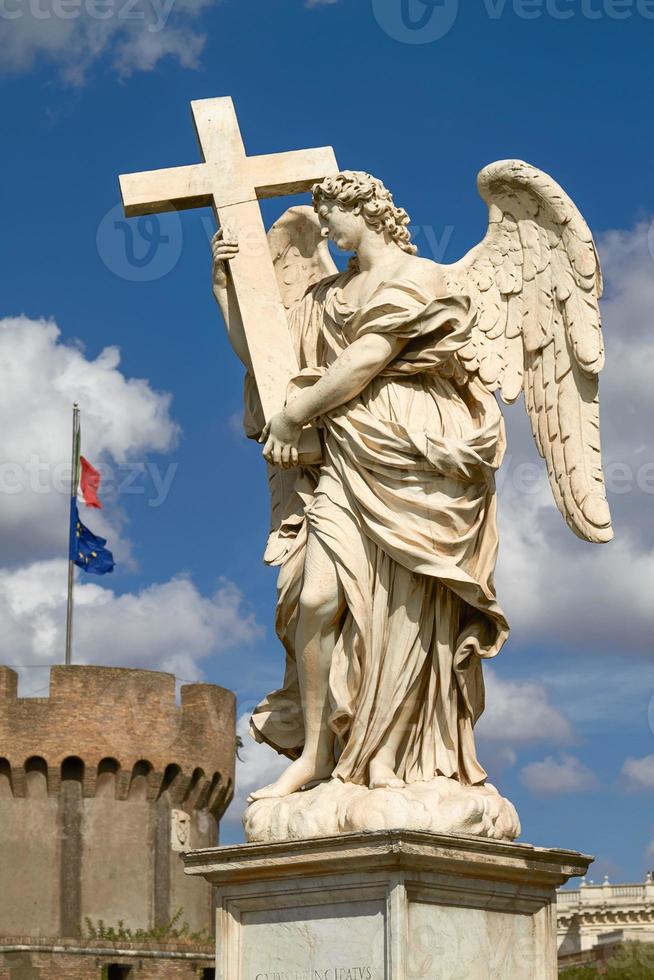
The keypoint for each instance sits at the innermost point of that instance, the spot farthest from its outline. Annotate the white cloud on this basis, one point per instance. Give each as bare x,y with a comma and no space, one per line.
553,777
638,774
74,34
168,626
567,592
519,713
257,766
557,589
122,421
598,693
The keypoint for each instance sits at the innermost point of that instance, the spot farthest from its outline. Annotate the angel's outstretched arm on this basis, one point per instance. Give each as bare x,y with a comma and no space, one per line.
344,379
223,249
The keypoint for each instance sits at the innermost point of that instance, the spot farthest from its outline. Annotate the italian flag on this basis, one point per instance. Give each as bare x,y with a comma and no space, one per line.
89,483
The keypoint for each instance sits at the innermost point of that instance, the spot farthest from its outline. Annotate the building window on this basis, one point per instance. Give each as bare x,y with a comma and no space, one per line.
116,971
208,973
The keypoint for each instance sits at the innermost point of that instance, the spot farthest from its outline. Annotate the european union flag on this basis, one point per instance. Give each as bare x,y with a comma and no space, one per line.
87,549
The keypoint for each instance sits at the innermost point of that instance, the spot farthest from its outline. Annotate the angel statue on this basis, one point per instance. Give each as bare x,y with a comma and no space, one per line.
387,547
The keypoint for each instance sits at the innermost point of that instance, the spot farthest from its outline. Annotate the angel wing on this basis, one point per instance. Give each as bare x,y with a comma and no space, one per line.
536,281
301,258
299,252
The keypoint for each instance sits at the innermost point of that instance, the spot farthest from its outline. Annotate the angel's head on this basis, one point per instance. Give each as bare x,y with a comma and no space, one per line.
353,201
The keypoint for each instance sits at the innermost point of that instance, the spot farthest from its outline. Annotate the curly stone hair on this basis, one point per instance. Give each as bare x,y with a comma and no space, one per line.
357,189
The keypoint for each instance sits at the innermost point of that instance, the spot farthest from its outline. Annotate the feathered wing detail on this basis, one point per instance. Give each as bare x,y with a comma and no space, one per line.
536,282
301,258
300,254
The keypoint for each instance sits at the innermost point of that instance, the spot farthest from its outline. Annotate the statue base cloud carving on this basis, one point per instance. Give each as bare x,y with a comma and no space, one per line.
440,806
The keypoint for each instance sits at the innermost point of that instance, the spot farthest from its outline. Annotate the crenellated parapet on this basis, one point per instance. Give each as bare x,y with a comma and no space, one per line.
119,731
102,785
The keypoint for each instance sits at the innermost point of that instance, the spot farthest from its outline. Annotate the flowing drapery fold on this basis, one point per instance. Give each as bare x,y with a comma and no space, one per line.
404,503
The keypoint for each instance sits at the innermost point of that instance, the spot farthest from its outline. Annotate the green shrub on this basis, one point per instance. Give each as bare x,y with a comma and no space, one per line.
173,931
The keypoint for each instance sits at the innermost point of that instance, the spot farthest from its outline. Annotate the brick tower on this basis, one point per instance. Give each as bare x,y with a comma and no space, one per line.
102,784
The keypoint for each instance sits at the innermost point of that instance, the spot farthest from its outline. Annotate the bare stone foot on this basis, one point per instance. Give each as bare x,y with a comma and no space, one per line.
298,774
382,775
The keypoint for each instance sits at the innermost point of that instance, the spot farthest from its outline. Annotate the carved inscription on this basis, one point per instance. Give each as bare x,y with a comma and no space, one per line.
331,973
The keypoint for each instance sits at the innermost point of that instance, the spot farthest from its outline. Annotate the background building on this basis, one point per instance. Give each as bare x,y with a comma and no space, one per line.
102,785
594,919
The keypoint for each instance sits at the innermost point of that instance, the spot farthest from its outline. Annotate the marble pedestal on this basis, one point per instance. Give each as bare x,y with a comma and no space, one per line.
389,905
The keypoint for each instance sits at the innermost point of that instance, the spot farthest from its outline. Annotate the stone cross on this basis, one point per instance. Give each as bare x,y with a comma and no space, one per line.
232,183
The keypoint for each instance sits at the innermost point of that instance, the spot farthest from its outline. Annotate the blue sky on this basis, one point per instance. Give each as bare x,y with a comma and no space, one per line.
85,99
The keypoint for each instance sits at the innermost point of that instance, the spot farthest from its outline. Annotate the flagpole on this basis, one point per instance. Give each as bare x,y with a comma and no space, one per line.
74,480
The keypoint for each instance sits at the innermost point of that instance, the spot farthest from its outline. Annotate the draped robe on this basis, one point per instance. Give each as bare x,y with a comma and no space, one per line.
404,503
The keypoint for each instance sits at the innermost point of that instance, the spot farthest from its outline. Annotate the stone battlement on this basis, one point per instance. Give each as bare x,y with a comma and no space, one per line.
114,724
